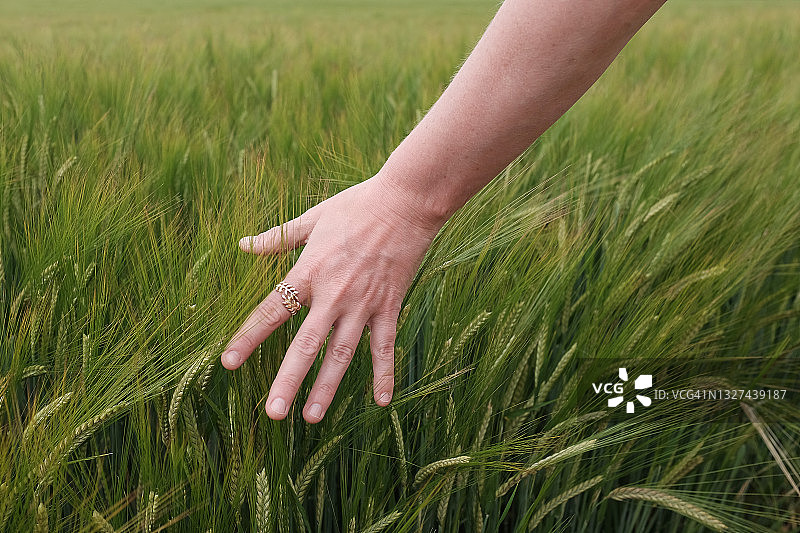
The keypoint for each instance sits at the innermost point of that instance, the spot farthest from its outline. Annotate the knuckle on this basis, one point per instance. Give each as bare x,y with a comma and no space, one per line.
325,391
268,315
393,307
307,344
342,353
291,381
384,352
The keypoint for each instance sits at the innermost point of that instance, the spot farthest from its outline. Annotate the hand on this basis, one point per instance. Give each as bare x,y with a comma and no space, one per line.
363,247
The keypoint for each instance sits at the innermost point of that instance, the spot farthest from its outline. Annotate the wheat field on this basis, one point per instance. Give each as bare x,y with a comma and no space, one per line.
655,226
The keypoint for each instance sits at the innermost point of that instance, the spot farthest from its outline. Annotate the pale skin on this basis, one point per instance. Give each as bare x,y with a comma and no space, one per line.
363,246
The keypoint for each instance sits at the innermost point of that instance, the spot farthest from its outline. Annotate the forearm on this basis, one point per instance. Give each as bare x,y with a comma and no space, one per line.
535,60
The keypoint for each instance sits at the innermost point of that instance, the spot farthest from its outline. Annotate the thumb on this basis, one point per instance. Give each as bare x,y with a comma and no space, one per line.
287,236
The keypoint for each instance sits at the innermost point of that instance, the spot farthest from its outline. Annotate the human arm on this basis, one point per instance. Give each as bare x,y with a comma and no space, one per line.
534,61
364,245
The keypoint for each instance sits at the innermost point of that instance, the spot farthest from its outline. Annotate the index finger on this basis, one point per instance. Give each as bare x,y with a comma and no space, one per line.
265,318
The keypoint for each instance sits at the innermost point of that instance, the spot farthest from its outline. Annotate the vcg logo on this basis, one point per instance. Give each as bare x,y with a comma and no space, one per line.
644,381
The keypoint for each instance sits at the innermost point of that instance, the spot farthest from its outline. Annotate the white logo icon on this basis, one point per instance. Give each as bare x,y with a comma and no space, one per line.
644,381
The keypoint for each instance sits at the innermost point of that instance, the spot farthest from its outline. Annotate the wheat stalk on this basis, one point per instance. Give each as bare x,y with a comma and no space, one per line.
566,453
655,162
44,413
383,523
36,320
196,440
6,506
570,423
484,427
180,390
401,450
566,391
17,303
683,466
88,273
477,517
659,206
194,273
283,511
47,273
263,497
541,345
150,511
694,278
562,364
432,468
668,501
470,331
307,473
562,498
41,525
505,351
516,377
235,456
441,512
101,524
81,434
319,501
163,417
7,208
85,360
51,310
510,322
696,176
33,371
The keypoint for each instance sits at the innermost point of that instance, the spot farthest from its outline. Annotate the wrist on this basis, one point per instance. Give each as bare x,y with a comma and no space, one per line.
421,191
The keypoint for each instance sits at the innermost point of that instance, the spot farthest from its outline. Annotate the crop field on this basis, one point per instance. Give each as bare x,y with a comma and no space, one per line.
655,227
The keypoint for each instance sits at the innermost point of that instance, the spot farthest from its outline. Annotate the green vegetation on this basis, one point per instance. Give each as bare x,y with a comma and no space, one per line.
656,224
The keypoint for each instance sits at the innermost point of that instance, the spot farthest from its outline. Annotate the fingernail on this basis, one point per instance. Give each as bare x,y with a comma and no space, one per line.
231,358
244,242
315,411
279,406
385,397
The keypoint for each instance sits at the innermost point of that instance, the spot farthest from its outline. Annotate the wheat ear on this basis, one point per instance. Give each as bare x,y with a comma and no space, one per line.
541,347
307,473
441,512
283,511
180,391
566,453
101,524
561,498
383,523
195,438
44,413
319,501
401,450
668,501
470,330
432,468
41,525
478,517
683,466
562,364
263,497
71,442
